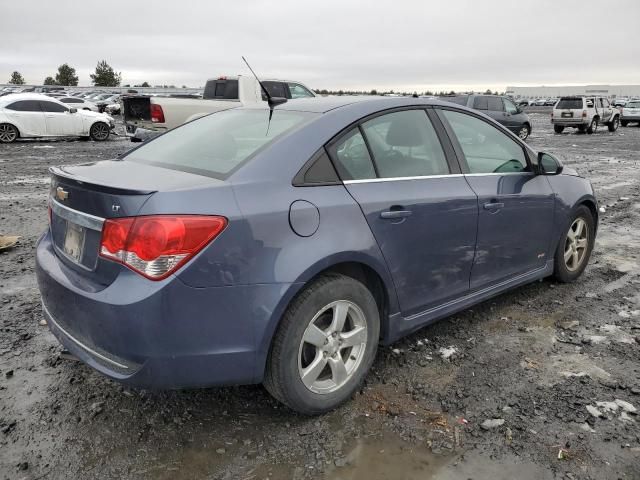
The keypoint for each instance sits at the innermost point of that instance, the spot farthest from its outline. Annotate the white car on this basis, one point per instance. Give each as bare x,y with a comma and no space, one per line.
79,103
28,115
630,113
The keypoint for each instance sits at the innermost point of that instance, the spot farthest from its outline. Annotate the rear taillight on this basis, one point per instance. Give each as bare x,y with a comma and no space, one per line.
157,115
158,245
584,114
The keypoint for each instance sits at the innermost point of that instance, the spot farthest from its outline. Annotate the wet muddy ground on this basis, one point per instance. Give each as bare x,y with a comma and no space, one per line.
539,383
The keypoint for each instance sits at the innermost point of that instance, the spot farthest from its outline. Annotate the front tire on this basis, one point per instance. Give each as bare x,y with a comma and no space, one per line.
99,132
558,128
8,133
575,246
324,346
524,132
614,124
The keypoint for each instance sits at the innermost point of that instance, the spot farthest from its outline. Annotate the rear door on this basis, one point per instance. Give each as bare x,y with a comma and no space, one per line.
516,206
27,116
419,207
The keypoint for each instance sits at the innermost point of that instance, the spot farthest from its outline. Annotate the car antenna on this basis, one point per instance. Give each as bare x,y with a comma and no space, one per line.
271,101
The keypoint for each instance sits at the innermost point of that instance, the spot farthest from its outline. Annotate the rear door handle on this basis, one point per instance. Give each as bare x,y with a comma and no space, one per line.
391,214
493,205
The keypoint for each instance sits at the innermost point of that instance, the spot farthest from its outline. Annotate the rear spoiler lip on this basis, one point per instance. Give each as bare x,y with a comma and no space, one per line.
100,187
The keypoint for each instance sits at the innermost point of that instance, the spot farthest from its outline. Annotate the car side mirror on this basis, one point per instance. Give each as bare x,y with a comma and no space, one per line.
73,110
548,164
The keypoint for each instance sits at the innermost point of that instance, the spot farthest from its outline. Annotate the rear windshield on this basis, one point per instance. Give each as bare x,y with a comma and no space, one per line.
633,105
217,144
570,103
221,89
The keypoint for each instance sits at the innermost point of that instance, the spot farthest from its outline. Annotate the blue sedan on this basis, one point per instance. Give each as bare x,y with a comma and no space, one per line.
249,247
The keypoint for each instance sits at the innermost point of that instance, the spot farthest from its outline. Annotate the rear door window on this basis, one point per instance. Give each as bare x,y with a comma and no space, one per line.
494,104
352,159
486,149
480,103
405,144
25,106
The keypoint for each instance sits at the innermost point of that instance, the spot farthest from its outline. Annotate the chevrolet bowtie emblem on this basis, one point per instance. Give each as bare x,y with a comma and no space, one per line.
61,194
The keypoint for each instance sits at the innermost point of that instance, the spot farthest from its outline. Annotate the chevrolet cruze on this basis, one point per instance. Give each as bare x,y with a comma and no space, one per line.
282,247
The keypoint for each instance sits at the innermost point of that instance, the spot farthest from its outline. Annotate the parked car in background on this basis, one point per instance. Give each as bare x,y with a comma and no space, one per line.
248,247
28,115
630,113
501,109
585,114
79,103
550,102
540,102
159,114
104,100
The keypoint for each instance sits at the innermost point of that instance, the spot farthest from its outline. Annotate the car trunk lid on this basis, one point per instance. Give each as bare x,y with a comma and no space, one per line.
83,196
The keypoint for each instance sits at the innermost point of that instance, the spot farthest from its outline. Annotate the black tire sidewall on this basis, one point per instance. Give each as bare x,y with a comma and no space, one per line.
561,272
300,313
91,134
15,131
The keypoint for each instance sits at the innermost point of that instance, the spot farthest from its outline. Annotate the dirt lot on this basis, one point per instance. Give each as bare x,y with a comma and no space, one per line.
535,362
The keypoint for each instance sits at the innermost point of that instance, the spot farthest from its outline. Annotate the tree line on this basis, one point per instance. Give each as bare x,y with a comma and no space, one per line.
104,76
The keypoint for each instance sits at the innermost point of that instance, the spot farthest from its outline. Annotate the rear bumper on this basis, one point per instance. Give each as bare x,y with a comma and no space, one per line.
162,334
569,122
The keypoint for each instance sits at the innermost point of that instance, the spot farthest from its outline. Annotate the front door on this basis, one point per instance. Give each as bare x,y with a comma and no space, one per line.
58,119
420,209
516,206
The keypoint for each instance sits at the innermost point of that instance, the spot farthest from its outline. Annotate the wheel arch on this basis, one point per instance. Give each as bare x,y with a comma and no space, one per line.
378,282
14,126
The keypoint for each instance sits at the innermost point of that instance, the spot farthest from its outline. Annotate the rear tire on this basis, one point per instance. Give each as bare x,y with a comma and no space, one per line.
558,128
614,124
593,126
99,132
575,246
8,133
624,123
314,365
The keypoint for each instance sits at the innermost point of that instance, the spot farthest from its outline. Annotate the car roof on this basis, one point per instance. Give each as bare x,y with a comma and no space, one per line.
14,97
326,104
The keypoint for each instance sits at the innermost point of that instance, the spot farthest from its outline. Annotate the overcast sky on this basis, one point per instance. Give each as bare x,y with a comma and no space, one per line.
403,44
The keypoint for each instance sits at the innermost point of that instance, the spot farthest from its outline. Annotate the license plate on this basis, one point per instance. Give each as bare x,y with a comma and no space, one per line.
74,241
567,114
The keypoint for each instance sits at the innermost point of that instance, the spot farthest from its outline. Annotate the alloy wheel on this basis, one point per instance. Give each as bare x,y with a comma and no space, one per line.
100,131
7,133
575,247
523,133
332,347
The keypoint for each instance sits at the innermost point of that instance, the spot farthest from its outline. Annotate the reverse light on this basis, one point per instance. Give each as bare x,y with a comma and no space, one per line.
157,115
155,246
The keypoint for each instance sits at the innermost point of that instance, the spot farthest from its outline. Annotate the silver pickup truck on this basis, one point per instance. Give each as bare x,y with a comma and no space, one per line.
146,116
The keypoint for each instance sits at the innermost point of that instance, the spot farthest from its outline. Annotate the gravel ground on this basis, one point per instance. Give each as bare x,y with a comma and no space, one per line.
542,382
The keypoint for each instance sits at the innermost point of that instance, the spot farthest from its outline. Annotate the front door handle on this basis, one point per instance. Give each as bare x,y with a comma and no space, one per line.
493,205
391,214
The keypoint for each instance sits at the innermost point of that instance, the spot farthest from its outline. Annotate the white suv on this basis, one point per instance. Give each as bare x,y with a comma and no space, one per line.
630,113
585,114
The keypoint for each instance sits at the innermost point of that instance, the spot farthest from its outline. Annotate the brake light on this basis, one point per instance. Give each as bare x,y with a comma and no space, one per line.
157,115
156,246
584,114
